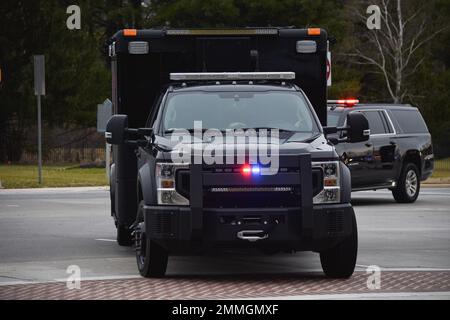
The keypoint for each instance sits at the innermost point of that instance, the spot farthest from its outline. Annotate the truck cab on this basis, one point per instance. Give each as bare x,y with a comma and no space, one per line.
229,149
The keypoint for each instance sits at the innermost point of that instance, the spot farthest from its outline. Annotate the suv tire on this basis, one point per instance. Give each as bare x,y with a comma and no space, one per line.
408,186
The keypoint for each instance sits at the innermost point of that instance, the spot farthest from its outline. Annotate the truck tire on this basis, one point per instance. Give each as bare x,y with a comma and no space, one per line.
408,186
151,258
340,261
124,237
113,205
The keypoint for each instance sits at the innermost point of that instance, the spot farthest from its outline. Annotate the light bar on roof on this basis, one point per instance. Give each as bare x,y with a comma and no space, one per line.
221,32
346,102
232,76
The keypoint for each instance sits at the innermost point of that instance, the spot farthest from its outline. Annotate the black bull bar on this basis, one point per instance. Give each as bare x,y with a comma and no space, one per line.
200,179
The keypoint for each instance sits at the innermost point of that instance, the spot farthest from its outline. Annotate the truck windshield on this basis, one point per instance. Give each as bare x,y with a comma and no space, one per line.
287,111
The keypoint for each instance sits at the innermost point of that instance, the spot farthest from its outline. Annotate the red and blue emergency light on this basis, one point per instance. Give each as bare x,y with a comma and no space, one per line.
248,170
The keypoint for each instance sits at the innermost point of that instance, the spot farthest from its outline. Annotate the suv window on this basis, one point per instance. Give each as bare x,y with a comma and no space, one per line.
333,118
376,123
386,122
410,121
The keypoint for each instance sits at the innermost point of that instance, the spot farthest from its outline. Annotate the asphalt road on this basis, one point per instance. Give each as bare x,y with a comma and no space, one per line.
43,232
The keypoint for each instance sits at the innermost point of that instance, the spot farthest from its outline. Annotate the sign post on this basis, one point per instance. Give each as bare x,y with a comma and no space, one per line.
39,90
104,113
329,82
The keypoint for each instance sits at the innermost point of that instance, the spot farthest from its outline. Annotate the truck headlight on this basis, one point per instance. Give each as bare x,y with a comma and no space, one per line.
331,192
165,174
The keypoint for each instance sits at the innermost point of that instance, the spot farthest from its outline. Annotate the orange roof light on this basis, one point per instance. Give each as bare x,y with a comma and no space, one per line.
313,31
130,32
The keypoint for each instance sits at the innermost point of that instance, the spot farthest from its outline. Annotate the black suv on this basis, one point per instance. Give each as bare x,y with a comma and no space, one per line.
398,155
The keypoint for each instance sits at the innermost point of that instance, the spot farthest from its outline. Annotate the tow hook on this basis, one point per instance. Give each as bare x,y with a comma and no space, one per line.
255,235
252,235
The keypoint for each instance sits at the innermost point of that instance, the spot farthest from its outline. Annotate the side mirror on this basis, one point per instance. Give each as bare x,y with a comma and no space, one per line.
331,131
357,127
116,129
117,132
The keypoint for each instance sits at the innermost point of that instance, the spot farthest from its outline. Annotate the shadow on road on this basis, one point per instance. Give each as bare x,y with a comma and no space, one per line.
245,266
372,201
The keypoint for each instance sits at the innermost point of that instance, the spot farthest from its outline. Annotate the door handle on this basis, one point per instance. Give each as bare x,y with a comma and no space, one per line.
368,144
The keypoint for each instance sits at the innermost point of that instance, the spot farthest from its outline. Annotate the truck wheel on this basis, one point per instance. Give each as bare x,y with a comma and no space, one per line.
151,258
124,237
340,261
408,186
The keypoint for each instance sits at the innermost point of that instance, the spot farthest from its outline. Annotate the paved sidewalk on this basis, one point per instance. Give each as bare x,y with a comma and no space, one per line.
233,286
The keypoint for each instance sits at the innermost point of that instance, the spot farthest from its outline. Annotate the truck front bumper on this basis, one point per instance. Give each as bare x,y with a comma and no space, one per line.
182,230
298,227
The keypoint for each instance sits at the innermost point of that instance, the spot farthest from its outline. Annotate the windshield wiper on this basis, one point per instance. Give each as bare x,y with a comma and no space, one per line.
266,128
190,130
225,130
309,139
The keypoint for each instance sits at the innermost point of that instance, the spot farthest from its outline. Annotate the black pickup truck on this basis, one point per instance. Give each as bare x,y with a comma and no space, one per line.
234,81
398,155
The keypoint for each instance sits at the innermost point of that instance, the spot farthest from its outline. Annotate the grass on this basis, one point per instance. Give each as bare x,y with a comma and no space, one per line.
441,174
442,168
25,176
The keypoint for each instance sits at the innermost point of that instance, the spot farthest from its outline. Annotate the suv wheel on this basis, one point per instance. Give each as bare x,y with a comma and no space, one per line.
124,237
151,258
408,186
340,261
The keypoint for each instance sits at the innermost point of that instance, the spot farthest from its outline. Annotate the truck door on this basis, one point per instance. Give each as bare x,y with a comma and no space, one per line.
381,169
357,156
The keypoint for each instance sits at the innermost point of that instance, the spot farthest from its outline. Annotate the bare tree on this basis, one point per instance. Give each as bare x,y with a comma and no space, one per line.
393,50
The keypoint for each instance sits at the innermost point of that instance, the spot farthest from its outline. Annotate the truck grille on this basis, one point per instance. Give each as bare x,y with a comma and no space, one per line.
249,196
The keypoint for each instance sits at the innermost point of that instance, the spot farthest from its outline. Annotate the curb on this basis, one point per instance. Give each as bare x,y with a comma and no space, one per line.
53,190
435,185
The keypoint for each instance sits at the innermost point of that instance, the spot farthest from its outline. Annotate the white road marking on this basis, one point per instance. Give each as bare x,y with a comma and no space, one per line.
124,277
104,278
404,269
405,229
106,240
436,193
52,190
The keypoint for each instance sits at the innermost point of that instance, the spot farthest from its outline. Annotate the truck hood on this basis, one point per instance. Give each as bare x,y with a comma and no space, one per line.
318,146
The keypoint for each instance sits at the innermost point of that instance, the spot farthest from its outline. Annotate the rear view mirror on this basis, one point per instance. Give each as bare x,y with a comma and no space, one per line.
117,133
116,129
357,127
